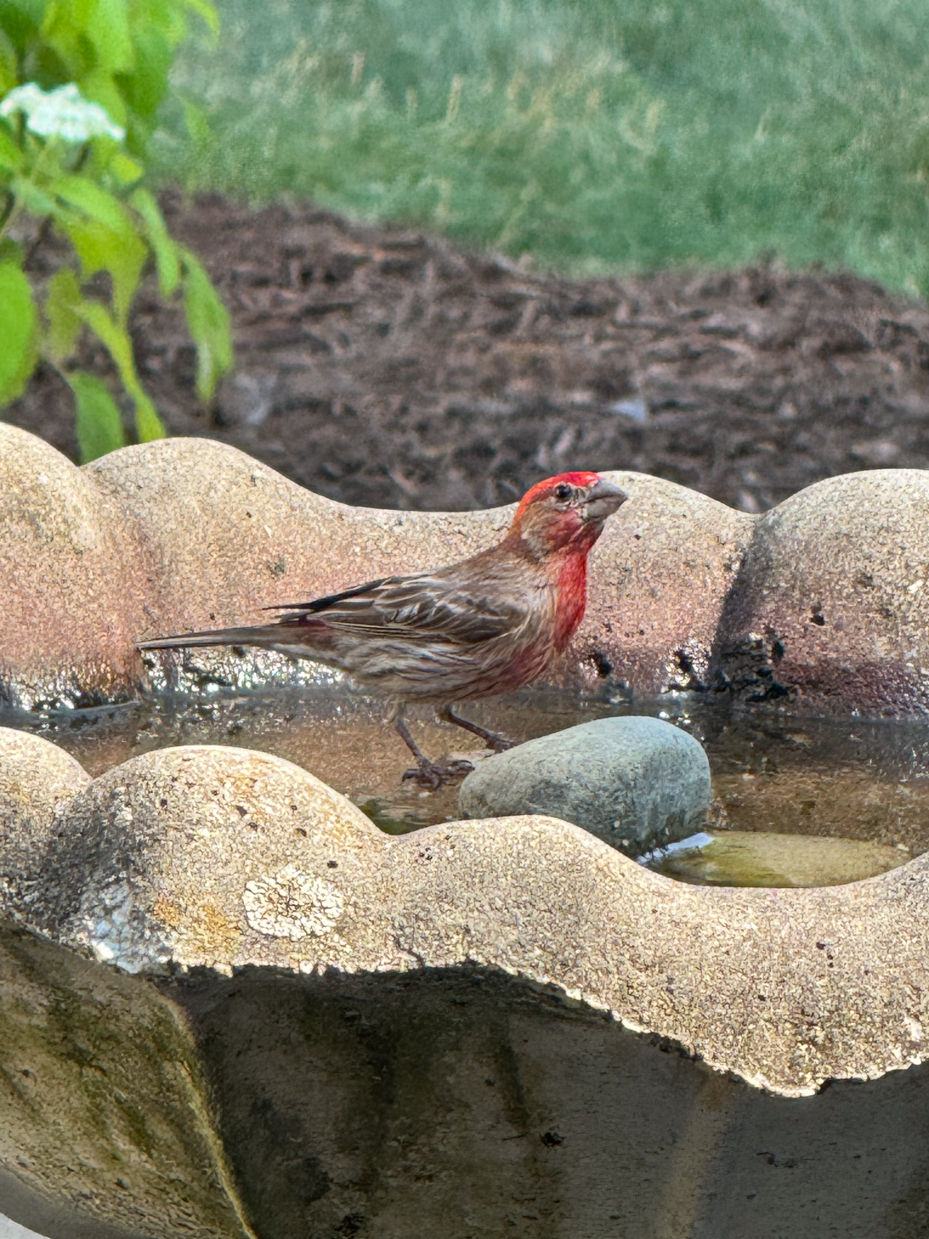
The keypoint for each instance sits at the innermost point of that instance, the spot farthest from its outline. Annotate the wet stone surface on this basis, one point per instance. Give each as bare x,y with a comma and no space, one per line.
503,1111
635,782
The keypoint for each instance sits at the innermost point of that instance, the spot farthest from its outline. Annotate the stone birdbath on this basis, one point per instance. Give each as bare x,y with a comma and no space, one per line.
231,1005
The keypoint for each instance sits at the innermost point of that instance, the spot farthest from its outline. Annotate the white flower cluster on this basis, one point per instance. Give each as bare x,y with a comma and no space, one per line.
61,112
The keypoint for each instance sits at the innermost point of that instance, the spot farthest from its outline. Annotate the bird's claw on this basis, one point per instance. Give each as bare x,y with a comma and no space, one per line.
436,773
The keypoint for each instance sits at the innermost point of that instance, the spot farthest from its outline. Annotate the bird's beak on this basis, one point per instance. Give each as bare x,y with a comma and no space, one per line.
603,501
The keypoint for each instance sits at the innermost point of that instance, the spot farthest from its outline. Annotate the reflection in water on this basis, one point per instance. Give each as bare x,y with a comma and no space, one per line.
850,778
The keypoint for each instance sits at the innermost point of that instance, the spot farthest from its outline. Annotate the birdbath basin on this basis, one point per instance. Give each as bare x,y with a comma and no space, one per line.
233,1002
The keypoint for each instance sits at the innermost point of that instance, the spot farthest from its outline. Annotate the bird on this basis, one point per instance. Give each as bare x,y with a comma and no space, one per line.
477,628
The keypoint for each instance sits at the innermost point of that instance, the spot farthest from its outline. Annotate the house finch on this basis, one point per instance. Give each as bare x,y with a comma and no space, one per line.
486,625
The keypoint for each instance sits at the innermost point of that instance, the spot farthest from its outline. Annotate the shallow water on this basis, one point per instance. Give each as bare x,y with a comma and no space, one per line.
853,779
767,858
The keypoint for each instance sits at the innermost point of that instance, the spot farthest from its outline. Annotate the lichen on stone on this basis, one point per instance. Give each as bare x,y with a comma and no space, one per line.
292,904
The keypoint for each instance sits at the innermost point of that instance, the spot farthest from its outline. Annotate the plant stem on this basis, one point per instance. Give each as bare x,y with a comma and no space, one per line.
13,208
41,235
7,210
9,215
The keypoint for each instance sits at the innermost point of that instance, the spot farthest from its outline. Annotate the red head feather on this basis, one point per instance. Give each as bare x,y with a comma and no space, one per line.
541,489
559,535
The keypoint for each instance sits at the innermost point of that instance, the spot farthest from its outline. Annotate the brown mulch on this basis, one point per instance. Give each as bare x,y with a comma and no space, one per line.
382,367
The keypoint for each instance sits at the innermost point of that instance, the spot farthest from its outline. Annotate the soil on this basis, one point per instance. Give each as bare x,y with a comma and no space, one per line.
382,367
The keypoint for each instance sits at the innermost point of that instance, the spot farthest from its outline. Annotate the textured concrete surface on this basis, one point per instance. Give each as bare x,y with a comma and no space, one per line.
346,1031
74,579
105,1125
218,857
464,1104
187,533
830,610
659,580
634,782
819,604
210,856
37,781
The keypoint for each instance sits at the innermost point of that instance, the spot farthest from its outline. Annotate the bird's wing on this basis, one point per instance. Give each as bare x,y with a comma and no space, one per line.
444,605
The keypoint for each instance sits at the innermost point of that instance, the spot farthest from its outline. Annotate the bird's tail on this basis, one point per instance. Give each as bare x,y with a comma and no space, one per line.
268,635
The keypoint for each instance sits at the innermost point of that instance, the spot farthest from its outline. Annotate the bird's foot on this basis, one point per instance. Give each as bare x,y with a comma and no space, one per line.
491,739
436,774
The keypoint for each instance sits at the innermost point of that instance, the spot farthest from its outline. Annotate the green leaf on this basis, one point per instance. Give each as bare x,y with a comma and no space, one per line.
116,339
113,336
8,73
166,250
99,424
12,251
197,124
125,169
107,28
166,16
62,34
99,87
144,88
148,425
35,200
21,20
208,320
123,254
81,192
64,323
18,322
10,154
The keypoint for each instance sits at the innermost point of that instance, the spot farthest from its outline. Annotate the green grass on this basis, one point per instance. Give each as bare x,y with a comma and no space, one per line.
590,133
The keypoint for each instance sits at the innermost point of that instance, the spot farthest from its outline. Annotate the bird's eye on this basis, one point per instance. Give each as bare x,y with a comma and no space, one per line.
563,492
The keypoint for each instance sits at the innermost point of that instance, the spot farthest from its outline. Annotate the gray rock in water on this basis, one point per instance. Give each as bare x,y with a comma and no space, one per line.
634,782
